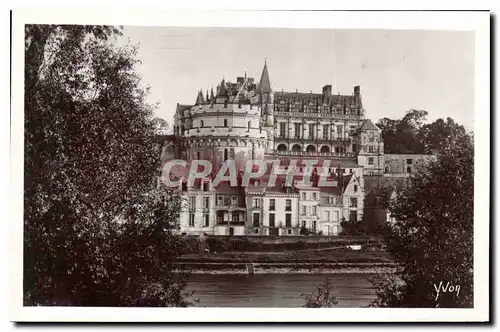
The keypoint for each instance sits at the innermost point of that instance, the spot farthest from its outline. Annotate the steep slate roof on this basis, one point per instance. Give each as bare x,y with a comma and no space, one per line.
264,83
225,188
345,181
222,89
368,125
181,107
199,99
314,97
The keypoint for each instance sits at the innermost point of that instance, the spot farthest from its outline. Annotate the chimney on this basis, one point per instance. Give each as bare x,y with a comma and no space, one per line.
357,95
327,91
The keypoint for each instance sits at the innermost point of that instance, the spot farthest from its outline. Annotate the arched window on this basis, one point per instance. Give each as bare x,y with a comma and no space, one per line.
387,169
311,148
325,149
225,122
282,147
296,148
225,154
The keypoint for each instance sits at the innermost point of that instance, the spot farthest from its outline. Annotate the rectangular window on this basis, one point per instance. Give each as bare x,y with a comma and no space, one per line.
227,201
370,161
326,128
220,216
326,216
371,137
206,186
314,225
234,200
370,149
288,206
315,196
191,219
192,203
272,204
304,197
235,216
311,131
256,203
353,216
340,132
313,210
198,155
355,188
288,220
206,202
304,223
296,126
335,215
219,200
256,219
283,129
272,221
207,220
303,210
353,202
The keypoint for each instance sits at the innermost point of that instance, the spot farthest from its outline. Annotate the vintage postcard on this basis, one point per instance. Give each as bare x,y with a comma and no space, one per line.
249,166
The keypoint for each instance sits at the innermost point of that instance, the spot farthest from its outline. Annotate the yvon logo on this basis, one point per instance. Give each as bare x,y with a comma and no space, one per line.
448,288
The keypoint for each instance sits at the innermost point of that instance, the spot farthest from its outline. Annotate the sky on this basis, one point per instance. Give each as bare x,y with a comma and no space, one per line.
397,70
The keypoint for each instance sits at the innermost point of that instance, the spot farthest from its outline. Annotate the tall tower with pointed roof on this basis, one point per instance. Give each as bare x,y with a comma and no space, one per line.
199,98
266,98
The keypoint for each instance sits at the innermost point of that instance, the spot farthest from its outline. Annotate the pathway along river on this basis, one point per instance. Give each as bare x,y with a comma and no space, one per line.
277,290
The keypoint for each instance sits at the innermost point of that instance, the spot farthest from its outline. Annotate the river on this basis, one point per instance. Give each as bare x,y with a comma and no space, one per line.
277,290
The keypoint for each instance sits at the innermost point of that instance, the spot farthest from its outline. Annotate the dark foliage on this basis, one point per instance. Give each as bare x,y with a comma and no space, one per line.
97,229
322,298
432,239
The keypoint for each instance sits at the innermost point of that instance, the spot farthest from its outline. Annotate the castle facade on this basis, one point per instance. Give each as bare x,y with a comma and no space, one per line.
247,120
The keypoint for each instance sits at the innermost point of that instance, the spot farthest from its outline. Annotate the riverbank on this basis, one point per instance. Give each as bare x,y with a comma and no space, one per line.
308,262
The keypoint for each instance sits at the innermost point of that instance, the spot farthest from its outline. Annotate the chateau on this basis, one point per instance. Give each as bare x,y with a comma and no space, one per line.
248,120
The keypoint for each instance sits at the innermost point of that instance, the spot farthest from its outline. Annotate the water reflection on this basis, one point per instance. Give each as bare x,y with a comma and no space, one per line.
352,290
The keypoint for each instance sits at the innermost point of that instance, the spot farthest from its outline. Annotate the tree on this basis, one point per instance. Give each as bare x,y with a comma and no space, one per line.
432,135
161,126
97,230
400,136
322,298
432,238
